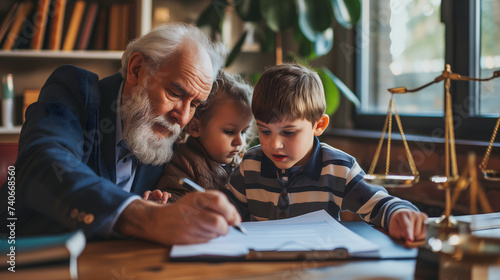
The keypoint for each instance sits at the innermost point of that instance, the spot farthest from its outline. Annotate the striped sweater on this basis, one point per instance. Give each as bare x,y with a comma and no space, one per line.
331,180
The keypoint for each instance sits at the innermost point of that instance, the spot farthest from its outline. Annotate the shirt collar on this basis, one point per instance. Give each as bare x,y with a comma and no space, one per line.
312,168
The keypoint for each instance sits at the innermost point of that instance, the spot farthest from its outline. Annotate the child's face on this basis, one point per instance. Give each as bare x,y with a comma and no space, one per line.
288,143
224,134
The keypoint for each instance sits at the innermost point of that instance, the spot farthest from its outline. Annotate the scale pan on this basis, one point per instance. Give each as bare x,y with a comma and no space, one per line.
441,179
392,181
492,175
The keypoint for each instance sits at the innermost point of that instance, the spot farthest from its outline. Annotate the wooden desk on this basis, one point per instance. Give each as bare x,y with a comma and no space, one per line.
136,259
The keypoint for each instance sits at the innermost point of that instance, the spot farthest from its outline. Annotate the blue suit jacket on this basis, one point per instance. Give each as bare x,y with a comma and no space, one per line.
65,170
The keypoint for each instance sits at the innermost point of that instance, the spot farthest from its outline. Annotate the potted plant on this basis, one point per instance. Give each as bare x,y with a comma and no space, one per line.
311,22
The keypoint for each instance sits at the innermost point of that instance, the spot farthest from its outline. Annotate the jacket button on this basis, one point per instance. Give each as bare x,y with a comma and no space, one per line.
74,213
89,218
81,216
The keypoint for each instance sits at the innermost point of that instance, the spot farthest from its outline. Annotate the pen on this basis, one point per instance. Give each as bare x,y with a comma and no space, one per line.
196,187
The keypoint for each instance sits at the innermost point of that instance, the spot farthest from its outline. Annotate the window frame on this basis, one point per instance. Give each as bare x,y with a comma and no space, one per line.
462,40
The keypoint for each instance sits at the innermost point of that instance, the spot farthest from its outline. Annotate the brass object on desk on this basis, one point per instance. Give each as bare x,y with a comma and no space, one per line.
451,178
460,251
490,174
450,242
390,180
465,246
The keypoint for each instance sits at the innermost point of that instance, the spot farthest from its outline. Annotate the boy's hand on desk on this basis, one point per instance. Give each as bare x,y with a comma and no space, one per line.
407,225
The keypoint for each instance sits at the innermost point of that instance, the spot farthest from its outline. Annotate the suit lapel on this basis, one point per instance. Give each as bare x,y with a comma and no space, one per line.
146,178
109,93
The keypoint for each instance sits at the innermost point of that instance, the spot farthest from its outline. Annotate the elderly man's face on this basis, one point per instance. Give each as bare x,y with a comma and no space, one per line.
164,102
180,85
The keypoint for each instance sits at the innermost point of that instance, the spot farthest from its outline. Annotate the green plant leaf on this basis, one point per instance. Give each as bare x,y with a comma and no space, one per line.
254,77
332,95
324,42
248,10
342,87
267,38
306,47
213,15
236,49
278,14
347,12
321,45
315,16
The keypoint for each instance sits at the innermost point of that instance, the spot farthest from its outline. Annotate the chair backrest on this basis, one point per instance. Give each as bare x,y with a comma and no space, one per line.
8,155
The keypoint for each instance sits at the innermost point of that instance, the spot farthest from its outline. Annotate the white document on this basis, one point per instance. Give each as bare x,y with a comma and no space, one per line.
310,232
483,225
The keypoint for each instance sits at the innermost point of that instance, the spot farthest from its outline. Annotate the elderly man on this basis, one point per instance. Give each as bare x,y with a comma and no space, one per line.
88,147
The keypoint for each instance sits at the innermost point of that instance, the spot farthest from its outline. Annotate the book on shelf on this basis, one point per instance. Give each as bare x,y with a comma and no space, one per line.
22,14
98,40
133,28
30,96
114,23
74,25
7,20
124,26
40,24
87,26
42,257
56,25
25,36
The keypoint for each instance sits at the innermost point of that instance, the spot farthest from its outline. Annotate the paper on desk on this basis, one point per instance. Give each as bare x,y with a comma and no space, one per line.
481,221
483,225
312,231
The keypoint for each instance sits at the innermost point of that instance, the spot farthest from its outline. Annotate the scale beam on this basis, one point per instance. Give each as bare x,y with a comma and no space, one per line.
446,74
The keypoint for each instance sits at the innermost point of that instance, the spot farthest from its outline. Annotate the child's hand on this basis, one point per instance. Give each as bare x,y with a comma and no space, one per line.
157,196
407,225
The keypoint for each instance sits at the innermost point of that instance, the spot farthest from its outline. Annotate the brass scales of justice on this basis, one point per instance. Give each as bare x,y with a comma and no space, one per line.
451,177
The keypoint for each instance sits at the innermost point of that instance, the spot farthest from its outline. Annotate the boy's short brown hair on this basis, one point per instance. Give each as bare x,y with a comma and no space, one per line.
288,92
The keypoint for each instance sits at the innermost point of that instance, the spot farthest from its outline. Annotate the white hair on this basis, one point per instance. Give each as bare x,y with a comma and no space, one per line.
165,40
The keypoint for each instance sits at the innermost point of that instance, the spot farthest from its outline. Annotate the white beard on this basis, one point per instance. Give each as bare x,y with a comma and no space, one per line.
138,120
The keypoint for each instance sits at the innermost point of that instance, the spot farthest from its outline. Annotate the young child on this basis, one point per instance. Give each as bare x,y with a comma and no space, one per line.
217,140
292,173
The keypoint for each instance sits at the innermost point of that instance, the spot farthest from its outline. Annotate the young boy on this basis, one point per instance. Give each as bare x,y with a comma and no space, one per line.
292,173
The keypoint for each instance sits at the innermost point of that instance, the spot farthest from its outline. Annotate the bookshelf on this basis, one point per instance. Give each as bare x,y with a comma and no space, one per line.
49,54
30,68
10,135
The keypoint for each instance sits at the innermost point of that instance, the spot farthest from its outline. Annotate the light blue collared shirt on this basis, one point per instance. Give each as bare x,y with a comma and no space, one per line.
126,165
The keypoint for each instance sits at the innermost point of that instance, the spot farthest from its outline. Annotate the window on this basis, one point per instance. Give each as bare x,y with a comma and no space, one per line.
490,56
408,42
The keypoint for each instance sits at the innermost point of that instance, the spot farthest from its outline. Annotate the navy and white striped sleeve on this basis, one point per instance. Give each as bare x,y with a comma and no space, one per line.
236,193
371,202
